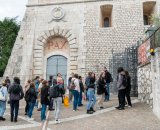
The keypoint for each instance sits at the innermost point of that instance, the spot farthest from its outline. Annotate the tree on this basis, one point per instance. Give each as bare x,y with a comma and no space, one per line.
9,29
156,20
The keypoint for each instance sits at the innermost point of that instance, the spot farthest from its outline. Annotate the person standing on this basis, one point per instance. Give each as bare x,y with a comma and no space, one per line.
3,91
59,92
81,91
51,82
108,79
32,100
121,82
37,82
16,94
101,90
128,89
8,82
70,90
76,91
26,87
91,94
44,99
39,95
87,83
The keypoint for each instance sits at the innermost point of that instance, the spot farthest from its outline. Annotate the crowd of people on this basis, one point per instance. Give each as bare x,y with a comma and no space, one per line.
42,94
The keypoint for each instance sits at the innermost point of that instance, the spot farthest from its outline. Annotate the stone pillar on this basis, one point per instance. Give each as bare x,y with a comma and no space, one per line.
156,82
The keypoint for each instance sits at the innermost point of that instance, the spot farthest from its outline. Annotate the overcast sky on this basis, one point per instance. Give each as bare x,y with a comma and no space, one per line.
12,8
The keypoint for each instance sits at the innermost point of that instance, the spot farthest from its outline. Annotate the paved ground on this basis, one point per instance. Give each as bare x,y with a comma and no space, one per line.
140,117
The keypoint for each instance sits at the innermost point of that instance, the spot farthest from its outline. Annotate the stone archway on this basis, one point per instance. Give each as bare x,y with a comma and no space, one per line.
39,50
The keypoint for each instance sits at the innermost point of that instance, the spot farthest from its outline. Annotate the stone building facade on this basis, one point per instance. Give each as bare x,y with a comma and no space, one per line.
76,35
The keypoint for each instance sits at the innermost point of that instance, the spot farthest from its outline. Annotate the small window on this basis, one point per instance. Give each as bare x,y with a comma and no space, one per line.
106,22
148,10
146,22
106,16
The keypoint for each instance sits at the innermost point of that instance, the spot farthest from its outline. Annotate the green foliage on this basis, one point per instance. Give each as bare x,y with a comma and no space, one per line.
156,20
8,32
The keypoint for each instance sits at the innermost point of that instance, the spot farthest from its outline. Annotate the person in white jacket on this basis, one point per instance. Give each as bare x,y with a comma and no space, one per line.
76,91
3,91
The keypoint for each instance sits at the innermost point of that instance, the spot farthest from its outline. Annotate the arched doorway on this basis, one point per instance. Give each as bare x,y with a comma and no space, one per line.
57,64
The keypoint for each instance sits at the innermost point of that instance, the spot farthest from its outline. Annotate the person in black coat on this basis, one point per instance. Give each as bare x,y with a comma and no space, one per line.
32,99
128,89
44,99
101,89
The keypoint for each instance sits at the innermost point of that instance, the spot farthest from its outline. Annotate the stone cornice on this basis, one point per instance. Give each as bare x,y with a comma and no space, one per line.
62,3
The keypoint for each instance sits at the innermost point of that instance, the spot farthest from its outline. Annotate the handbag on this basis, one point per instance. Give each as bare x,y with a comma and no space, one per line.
66,101
2,97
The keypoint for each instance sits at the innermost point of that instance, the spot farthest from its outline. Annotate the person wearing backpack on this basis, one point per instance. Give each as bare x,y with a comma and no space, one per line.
16,94
56,92
101,90
31,100
121,85
128,89
44,99
4,93
51,83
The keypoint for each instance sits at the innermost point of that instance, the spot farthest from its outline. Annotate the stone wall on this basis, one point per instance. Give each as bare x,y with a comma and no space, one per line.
127,27
155,62
145,93
90,46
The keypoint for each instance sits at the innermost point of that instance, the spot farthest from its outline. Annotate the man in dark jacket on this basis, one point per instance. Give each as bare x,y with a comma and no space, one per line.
108,79
121,88
51,82
16,94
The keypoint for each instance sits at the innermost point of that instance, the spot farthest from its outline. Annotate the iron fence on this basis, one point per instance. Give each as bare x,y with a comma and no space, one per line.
129,61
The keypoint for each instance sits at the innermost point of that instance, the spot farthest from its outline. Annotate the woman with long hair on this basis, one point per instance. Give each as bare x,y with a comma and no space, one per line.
101,89
32,100
3,91
44,99
26,87
91,94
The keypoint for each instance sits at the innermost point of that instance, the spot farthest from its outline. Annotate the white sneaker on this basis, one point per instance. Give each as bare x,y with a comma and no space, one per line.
59,121
56,122
30,119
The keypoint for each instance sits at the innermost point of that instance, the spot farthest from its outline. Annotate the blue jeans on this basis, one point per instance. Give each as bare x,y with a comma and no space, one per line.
91,98
107,96
2,108
43,112
31,107
80,98
76,97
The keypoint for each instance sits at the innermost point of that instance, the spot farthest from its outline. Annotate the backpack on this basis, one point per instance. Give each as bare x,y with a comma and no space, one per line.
27,96
16,89
72,85
124,81
54,91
